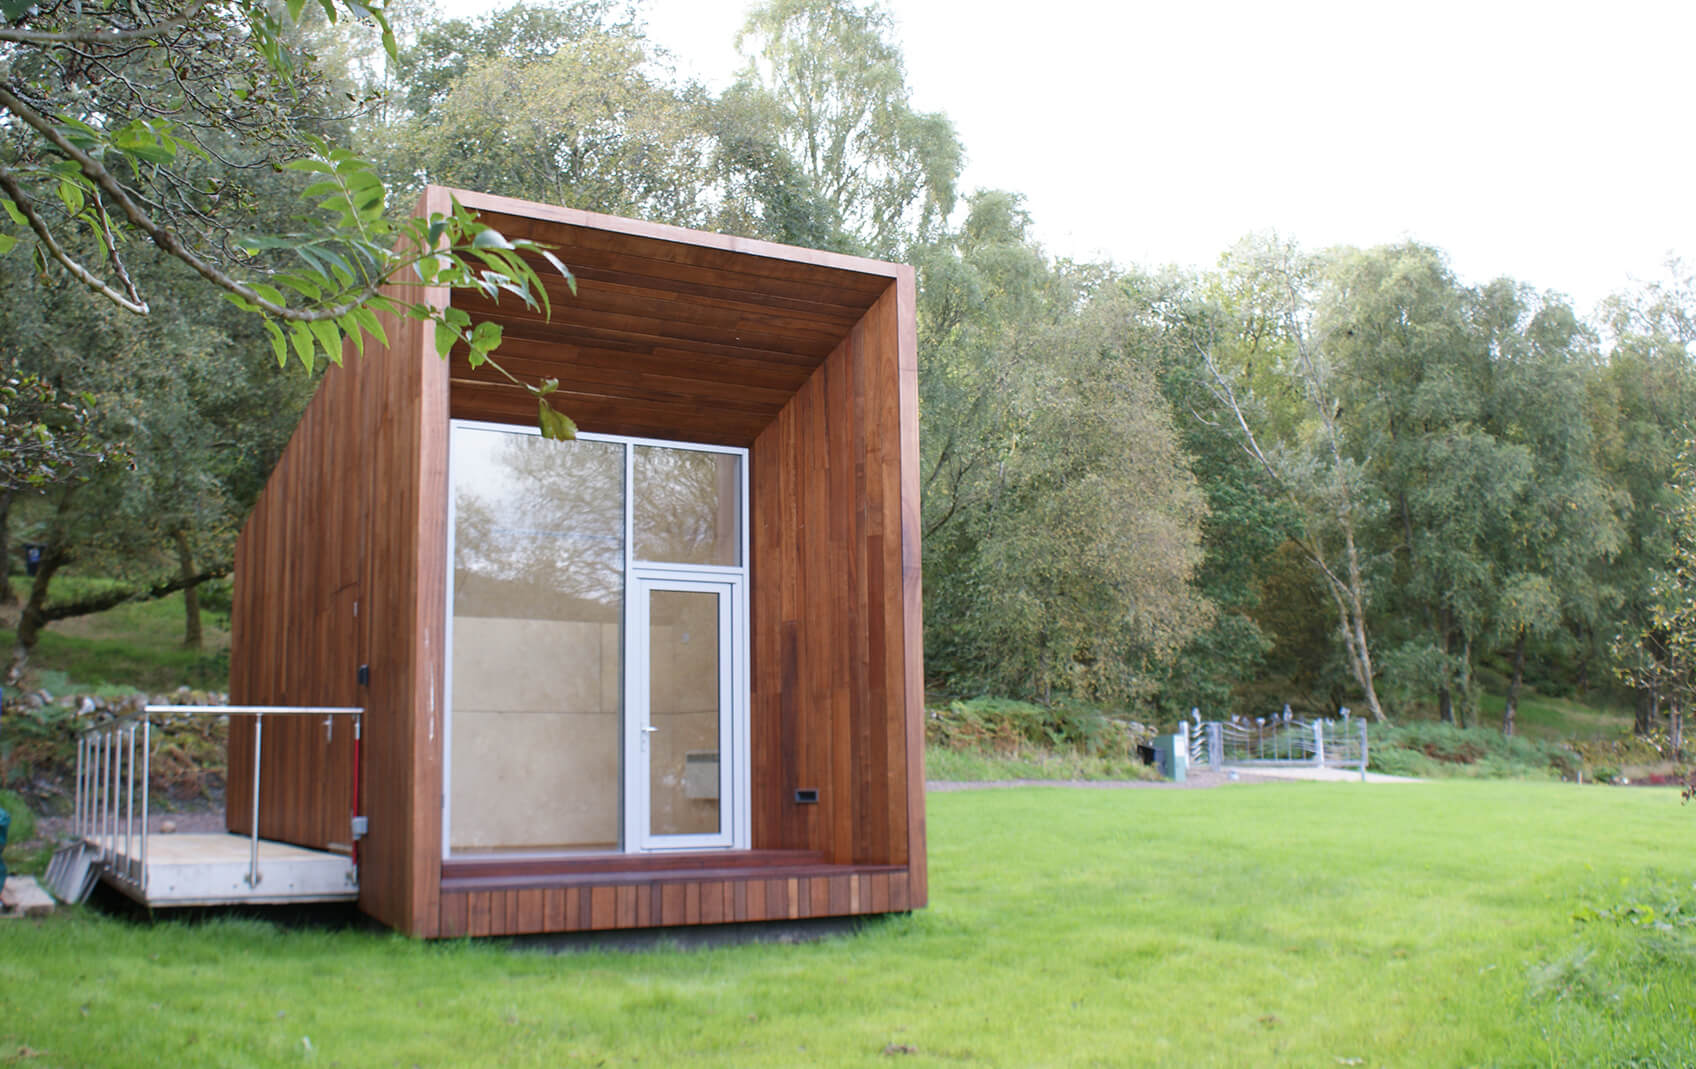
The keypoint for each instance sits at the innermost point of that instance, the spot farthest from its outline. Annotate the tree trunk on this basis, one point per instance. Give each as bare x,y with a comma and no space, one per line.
1644,721
1468,695
191,593
1675,710
8,596
1510,709
1445,704
34,615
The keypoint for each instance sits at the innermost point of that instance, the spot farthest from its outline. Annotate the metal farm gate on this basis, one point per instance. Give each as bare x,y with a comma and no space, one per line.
1277,741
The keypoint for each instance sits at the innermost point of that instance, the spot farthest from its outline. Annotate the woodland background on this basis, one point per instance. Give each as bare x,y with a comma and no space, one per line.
1322,477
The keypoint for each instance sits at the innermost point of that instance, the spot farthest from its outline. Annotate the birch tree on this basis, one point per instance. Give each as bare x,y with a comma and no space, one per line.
1267,368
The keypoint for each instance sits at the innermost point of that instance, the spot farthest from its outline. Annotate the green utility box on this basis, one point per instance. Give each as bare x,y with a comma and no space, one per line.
1171,756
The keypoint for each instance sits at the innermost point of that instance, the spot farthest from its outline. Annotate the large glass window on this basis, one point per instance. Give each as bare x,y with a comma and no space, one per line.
553,747
688,506
538,605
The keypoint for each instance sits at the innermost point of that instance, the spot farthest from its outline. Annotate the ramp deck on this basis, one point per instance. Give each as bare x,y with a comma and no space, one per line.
217,870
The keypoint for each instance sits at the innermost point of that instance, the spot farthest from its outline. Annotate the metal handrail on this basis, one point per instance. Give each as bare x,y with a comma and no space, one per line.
105,780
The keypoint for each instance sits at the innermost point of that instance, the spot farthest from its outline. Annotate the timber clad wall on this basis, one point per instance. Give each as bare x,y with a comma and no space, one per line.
807,359
828,630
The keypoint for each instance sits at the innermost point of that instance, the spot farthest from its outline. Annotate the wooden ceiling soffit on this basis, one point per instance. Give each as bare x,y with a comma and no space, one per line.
671,333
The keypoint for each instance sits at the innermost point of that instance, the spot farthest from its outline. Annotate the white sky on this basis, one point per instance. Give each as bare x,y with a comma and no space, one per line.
1551,141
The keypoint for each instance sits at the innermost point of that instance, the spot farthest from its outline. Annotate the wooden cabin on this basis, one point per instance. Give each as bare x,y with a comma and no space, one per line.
668,674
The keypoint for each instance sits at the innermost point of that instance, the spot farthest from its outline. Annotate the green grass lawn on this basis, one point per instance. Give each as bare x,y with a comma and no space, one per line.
1556,719
137,645
1290,924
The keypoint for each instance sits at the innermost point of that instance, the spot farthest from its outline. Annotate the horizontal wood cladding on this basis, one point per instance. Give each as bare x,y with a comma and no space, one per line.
837,691
663,902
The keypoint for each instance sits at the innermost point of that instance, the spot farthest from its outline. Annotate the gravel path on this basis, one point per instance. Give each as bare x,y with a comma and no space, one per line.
1194,780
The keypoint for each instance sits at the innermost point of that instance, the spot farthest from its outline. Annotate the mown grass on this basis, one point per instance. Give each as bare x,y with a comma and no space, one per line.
1289,924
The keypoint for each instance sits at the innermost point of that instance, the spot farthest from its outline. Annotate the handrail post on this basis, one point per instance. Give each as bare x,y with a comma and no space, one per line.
253,849
105,791
129,805
116,789
76,794
146,778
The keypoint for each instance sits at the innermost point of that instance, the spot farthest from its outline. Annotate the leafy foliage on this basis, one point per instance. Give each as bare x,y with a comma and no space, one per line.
139,123
1660,656
45,436
832,77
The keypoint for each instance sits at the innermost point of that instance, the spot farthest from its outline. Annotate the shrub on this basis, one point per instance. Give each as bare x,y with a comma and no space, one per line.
1433,750
1005,726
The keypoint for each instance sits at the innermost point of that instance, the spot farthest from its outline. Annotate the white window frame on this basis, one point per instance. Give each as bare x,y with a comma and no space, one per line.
735,767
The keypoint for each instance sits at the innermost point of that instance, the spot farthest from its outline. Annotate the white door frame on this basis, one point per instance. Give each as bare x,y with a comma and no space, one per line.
733,831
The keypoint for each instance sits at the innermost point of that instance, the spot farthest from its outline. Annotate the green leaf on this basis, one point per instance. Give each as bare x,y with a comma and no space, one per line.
367,318
300,336
570,279
316,166
270,293
446,335
71,194
279,345
555,425
330,337
13,212
490,238
350,327
7,243
15,9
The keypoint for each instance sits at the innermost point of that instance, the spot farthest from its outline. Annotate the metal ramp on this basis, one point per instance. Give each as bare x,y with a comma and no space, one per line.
218,870
117,844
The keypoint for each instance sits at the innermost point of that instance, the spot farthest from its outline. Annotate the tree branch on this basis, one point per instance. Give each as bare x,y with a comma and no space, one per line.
108,599
161,236
101,37
45,235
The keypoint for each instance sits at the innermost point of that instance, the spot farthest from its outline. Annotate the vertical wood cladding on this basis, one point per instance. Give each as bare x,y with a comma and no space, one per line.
341,564
806,358
665,902
837,699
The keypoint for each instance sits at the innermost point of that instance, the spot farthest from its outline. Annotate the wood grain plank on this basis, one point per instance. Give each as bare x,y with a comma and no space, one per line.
671,904
554,909
531,911
479,908
603,907
454,916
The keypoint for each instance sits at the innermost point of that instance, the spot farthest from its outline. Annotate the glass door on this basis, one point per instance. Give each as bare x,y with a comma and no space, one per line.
682,685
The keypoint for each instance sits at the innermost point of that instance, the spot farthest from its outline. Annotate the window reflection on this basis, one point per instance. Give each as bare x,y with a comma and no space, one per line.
687,504
538,602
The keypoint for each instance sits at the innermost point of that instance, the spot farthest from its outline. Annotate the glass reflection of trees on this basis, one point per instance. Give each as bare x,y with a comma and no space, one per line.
686,506
539,527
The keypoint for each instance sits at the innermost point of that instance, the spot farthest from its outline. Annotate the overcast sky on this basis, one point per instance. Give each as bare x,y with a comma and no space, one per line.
1549,141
